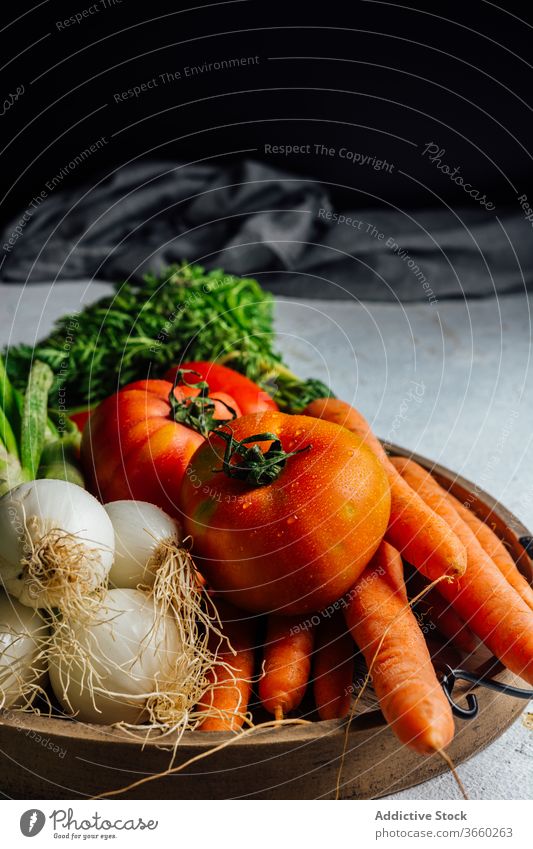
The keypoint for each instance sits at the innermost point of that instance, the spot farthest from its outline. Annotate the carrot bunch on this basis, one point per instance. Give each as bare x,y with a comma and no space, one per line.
484,597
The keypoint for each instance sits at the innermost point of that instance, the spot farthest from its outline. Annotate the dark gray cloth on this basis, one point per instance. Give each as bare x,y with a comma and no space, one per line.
251,219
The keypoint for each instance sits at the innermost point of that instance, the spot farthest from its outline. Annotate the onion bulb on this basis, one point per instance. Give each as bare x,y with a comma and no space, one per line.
56,544
23,637
137,659
105,669
143,535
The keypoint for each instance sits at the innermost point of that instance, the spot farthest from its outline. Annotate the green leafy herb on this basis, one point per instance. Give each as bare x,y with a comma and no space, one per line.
185,313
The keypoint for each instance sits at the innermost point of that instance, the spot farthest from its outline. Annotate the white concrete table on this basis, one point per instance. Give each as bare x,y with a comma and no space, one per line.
452,381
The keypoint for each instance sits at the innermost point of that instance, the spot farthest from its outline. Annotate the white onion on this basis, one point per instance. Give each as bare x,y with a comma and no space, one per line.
22,637
105,670
56,543
143,533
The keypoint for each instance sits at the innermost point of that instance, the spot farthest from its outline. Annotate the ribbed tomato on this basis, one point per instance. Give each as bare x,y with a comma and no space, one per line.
284,511
248,395
138,442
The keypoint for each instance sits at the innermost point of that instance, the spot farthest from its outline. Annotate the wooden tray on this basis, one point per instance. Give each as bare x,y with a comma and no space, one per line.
55,758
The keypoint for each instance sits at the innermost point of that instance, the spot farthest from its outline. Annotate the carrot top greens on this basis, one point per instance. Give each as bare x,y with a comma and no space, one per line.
139,331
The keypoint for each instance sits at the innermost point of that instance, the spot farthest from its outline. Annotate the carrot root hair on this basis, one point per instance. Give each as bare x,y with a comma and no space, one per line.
453,769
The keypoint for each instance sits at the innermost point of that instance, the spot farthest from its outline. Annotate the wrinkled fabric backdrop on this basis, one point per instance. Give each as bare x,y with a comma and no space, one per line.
251,219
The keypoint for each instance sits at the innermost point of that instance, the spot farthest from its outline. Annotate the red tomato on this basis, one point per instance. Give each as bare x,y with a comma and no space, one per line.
80,419
137,446
248,395
289,534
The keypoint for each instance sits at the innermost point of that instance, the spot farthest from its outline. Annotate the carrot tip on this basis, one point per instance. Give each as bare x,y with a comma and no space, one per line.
278,713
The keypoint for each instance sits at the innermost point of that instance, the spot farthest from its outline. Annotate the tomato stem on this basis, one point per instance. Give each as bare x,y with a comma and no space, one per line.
197,412
250,463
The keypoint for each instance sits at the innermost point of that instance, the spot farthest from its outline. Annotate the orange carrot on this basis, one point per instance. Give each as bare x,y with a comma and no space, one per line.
287,664
386,630
482,596
333,668
440,612
495,549
341,413
448,621
414,529
227,701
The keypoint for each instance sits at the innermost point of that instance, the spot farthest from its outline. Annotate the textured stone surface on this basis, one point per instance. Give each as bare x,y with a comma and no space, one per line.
453,381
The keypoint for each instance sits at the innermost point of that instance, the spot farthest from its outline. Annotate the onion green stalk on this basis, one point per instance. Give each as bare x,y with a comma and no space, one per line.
34,415
31,445
10,402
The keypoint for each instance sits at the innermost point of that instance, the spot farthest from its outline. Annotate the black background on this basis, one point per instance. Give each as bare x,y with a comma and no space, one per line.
457,74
